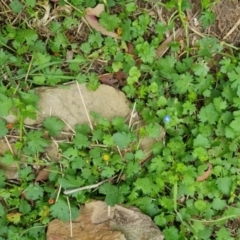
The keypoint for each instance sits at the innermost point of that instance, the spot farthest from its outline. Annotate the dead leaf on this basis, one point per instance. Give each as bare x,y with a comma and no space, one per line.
90,17
69,55
205,174
95,11
107,79
130,48
42,175
162,49
120,75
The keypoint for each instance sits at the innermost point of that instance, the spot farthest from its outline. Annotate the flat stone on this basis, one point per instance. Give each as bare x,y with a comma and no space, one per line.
98,221
84,228
72,103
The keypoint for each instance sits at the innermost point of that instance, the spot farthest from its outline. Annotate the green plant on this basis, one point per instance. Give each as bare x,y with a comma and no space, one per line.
189,185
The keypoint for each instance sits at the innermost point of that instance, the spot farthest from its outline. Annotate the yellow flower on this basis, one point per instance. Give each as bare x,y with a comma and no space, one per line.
105,157
14,217
119,31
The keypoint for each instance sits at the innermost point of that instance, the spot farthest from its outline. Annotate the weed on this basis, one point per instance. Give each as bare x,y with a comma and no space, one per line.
189,185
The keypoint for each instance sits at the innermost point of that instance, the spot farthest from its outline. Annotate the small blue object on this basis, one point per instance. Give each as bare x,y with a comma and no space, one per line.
166,119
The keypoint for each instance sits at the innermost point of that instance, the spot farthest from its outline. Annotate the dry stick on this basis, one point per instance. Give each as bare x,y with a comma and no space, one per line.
109,211
86,187
162,49
29,67
70,217
232,29
79,27
84,105
195,31
47,8
9,146
60,187
6,5
132,115
68,126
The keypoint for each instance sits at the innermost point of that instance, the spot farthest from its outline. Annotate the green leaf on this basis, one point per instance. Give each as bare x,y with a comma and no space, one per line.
162,101
26,173
53,125
71,153
234,78
37,231
200,153
224,184
160,220
218,204
145,185
34,192
3,57
2,178
107,172
2,211
208,114
82,128
171,233
200,205
24,207
183,83
235,124
188,108
114,194
134,75
61,210
116,66
70,181
7,159
35,142
198,226
201,141
31,3
200,69
229,132
132,169
130,7
167,203
223,234
110,22
146,52
3,128
39,80
16,6
207,18
122,139
6,105
219,104
153,130
81,141
153,87
209,46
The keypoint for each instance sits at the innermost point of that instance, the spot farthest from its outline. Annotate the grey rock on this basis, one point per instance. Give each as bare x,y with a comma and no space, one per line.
67,103
99,221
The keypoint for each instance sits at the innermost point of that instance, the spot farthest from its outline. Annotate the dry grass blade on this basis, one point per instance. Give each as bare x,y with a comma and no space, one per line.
205,174
163,48
84,105
232,29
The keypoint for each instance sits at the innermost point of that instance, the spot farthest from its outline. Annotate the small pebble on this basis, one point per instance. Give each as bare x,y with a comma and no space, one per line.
166,119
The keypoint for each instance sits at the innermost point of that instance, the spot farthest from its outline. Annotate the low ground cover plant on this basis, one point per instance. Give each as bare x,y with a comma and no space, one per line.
189,185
